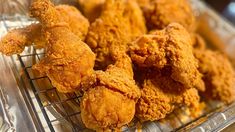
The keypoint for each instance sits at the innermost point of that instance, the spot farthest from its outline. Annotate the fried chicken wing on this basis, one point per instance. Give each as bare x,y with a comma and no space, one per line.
218,75
110,103
160,13
119,23
65,52
170,47
157,100
16,40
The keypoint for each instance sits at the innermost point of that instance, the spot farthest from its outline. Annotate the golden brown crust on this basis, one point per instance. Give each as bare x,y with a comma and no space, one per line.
103,109
110,102
91,8
78,24
109,29
170,47
156,101
66,53
218,75
136,18
16,40
119,23
160,13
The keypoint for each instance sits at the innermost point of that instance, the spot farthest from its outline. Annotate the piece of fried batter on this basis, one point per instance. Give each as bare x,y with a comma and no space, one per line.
68,60
169,48
218,75
16,40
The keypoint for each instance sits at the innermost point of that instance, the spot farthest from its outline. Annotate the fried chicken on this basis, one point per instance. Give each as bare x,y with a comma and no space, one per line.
136,18
198,42
65,52
160,13
78,24
159,98
91,8
110,102
218,75
16,40
109,29
169,48
119,23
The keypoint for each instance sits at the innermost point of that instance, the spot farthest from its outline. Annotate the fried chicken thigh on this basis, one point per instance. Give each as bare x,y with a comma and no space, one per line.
65,52
16,40
110,102
218,75
160,13
169,48
119,23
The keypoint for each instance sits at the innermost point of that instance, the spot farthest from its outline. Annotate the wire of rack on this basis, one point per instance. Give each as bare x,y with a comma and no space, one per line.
66,106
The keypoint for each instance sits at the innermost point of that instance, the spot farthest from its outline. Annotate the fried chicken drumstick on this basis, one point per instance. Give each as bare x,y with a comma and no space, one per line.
65,52
16,40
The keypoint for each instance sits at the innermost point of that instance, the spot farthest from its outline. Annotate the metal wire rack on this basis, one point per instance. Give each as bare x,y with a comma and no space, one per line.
57,108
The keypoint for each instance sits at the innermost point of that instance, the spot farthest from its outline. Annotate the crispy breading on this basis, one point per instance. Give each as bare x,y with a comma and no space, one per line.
157,101
218,75
65,52
119,23
160,13
170,47
110,102
16,40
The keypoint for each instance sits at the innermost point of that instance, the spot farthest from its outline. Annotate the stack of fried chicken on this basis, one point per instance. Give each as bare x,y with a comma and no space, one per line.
139,58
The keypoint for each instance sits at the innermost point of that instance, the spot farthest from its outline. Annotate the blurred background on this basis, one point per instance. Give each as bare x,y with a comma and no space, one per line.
224,7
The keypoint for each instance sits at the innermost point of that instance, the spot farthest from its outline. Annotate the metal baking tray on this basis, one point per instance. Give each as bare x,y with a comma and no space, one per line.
30,103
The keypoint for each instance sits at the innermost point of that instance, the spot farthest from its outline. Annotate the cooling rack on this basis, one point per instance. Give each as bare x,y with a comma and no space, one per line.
54,111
